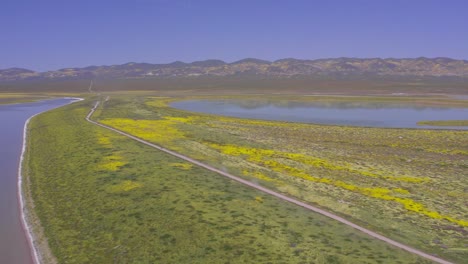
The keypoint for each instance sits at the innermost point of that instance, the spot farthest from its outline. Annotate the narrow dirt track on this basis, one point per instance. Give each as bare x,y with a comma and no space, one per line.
276,194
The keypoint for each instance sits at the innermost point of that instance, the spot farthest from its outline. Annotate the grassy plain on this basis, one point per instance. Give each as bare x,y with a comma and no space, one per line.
245,84
407,184
103,198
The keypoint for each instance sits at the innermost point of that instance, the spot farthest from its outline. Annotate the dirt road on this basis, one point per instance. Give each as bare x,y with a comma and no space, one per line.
276,194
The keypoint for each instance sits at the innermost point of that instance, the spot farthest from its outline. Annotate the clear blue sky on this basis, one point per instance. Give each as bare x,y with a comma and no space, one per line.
48,35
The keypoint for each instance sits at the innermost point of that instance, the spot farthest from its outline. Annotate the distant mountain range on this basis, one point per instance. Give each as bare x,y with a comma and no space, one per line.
286,68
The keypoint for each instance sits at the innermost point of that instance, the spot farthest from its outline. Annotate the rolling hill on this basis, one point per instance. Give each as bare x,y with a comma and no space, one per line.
285,68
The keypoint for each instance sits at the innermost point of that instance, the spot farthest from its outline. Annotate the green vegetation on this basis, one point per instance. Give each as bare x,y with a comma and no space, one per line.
208,85
15,98
406,184
103,198
444,123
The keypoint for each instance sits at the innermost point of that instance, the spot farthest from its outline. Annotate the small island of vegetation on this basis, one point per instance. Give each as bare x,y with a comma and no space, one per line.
444,123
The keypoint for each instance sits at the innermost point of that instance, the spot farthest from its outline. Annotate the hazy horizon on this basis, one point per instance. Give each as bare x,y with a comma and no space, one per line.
52,35
227,62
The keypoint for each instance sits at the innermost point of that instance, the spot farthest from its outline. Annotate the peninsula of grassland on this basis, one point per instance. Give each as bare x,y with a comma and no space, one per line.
103,198
113,198
15,98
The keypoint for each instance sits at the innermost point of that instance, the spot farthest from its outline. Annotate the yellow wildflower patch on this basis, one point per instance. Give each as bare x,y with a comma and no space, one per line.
259,155
183,166
103,140
159,101
258,175
159,131
267,157
112,163
124,186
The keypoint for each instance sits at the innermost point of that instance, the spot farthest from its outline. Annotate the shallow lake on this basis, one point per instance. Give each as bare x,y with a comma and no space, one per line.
14,248
368,114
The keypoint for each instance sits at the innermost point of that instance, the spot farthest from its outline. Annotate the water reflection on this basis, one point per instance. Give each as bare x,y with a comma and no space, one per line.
253,104
355,113
14,247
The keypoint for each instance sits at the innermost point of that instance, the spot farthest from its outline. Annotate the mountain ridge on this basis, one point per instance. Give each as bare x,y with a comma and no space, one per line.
287,67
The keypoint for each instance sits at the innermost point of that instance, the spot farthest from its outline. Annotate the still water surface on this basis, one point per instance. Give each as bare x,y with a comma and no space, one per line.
366,114
14,247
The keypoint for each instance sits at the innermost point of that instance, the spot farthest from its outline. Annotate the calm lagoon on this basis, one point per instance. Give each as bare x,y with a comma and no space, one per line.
367,114
14,248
